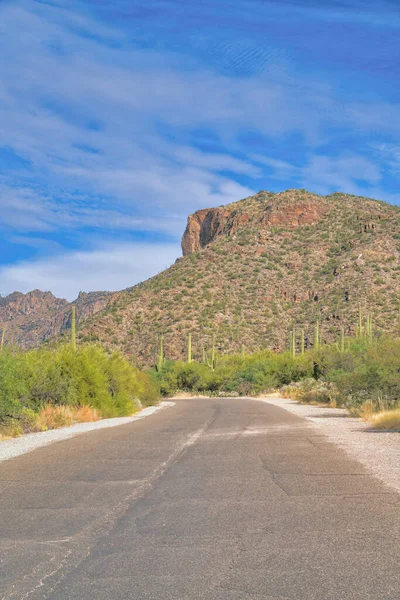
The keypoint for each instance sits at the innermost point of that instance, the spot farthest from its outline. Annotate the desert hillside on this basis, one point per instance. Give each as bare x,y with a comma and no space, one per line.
254,269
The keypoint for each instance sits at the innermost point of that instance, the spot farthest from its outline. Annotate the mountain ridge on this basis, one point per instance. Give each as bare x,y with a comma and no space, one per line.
32,318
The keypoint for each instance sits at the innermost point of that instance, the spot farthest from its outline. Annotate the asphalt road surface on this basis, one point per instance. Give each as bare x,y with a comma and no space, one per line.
210,499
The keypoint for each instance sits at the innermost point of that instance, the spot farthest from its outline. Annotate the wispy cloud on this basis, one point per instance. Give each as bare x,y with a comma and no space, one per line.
123,125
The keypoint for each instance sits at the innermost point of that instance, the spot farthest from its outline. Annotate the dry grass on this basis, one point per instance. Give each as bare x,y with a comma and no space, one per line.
9,430
365,411
387,419
50,417
369,409
53,417
86,414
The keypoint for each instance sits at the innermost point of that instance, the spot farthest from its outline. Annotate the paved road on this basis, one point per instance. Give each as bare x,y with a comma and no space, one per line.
211,499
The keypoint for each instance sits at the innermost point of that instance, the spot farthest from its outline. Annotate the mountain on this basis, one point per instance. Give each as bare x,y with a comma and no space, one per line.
253,269
32,318
250,271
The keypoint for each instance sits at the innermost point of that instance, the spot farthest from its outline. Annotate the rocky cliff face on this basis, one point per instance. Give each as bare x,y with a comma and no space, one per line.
32,318
263,211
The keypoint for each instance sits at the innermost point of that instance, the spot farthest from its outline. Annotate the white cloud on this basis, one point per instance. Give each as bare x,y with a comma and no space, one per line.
84,106
113,267
346,172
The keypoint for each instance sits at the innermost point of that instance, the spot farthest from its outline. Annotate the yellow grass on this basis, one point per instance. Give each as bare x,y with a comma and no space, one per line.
387,419
369,409
86,414
365,411
50,417
53,417
10,430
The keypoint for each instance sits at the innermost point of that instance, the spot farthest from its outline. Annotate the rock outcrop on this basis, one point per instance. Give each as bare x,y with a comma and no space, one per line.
204,226
264,210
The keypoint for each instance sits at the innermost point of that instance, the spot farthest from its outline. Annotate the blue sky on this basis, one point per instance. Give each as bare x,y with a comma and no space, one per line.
119,118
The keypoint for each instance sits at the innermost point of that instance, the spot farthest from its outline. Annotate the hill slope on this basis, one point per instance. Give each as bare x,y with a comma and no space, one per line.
255,268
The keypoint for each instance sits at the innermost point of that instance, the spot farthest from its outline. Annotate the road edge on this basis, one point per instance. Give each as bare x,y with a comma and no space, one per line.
31,441
377,451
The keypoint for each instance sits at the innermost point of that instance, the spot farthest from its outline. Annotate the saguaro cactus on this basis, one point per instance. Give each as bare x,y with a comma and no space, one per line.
161,354
360,320
292,338
3,335
316,336
213,361
342,341
73,328
302,342
368,329
189,348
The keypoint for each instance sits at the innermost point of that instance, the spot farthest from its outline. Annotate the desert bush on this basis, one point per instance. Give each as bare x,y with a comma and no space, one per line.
29,420
311,391
10,428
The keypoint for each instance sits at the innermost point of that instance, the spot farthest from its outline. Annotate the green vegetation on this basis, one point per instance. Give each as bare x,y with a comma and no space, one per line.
84,377
360,373
244,374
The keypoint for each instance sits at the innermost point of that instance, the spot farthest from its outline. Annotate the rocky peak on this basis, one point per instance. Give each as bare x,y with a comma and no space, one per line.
34,302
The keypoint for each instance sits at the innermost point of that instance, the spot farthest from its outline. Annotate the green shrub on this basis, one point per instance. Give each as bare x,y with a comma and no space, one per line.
88,376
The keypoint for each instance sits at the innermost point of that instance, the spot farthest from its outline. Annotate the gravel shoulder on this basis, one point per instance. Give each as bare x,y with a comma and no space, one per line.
379,451
31,441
